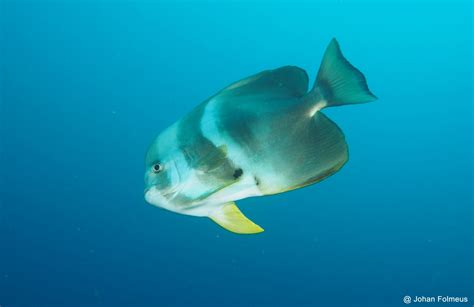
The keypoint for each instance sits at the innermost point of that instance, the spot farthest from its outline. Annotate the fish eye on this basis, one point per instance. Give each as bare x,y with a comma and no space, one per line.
157,168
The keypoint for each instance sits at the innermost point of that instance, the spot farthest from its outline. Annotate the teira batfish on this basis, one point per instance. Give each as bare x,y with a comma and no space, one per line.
262,135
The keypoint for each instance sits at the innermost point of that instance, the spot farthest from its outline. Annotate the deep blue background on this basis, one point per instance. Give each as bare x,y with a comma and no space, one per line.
86,85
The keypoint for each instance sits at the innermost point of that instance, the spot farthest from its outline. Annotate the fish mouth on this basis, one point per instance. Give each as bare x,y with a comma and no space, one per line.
168,194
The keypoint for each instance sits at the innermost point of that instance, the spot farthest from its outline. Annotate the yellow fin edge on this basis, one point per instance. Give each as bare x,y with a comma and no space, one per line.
232,219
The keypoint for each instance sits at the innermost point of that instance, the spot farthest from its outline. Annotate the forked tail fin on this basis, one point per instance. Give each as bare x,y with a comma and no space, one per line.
338,81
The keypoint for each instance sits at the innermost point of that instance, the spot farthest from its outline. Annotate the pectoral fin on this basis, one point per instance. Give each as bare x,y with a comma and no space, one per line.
216,159
205,157
229,217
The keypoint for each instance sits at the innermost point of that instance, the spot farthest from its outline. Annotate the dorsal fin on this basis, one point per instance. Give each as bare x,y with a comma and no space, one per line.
283,82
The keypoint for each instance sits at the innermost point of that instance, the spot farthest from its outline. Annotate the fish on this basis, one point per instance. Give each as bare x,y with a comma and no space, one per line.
262,135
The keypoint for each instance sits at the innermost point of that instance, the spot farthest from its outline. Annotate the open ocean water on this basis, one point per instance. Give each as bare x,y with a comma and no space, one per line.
86,86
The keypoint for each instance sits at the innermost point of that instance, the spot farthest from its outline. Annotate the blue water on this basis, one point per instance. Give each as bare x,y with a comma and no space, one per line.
86,86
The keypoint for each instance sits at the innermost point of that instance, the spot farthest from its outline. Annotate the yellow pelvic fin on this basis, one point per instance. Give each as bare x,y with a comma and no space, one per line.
229,217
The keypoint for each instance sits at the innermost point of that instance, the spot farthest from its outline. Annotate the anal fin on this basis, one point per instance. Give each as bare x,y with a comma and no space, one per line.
232,219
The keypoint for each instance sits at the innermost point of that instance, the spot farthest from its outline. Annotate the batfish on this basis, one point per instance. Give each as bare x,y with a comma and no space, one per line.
259,136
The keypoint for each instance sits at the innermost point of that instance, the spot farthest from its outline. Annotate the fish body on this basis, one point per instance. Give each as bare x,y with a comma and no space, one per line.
262,135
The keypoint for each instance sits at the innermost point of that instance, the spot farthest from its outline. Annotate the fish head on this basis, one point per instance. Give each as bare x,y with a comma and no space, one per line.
165,171
184,170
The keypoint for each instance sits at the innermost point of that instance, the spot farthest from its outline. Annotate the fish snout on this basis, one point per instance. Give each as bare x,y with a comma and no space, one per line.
154,193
